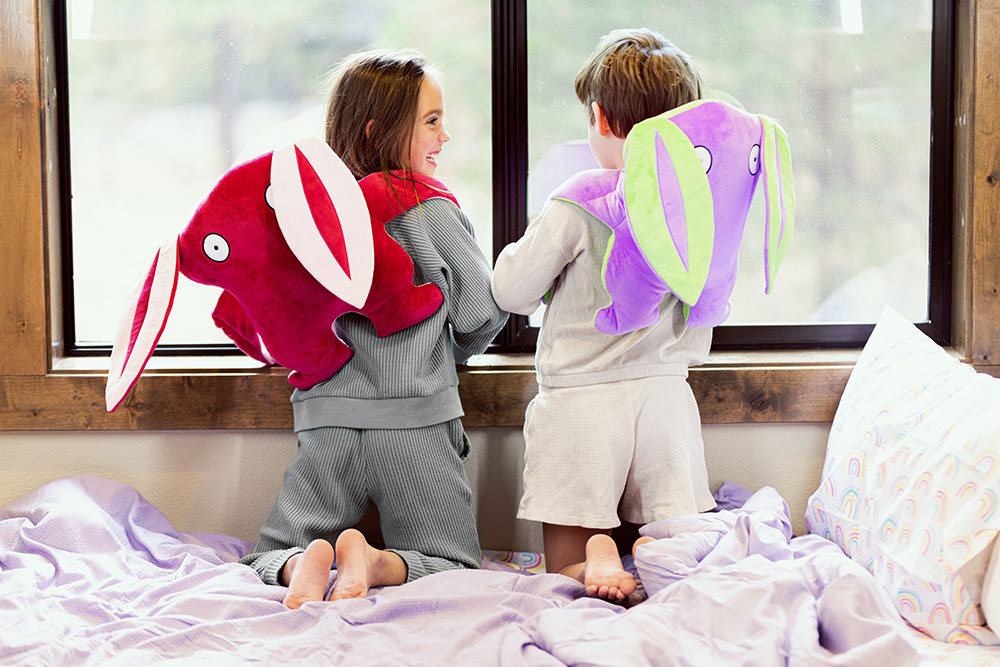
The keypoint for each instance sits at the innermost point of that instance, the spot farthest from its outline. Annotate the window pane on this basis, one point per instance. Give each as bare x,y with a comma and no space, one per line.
850,83
166,96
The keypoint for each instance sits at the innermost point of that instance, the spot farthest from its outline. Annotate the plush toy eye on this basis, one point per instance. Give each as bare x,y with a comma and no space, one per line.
267,197
754,159
216,247
705,156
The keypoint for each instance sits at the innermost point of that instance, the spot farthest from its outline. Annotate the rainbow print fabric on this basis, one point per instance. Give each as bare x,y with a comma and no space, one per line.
528,562
909,484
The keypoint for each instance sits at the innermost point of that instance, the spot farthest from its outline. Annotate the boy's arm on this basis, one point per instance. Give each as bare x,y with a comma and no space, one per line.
527,268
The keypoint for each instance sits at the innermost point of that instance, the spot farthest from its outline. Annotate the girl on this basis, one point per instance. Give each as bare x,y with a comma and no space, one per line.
385,429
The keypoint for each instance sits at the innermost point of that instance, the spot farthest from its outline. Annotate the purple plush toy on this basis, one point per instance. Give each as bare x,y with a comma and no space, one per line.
678,210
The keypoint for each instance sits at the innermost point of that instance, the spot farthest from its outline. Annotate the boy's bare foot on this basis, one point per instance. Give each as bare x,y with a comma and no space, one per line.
603,573
307,574
361,566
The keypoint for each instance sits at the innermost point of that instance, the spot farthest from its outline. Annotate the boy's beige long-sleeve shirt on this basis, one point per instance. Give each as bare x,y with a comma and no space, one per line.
563,249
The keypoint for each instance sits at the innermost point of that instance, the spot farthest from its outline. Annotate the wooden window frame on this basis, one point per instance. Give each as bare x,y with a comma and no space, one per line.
42,389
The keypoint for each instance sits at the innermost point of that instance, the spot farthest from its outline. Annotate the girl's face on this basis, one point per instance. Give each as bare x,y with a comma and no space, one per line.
429,134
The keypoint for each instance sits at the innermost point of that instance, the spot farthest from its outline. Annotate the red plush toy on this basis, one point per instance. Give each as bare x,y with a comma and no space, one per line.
294,241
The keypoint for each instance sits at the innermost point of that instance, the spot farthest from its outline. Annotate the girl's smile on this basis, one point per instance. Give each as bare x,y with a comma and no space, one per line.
429,134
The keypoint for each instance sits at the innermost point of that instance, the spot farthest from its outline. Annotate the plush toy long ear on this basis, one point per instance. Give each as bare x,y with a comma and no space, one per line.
142,324
779,197
670,207
309,183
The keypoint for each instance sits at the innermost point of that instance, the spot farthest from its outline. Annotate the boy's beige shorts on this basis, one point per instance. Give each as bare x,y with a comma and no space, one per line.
629,450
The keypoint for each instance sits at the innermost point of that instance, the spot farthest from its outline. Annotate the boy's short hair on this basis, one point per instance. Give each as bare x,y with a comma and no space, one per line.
636,74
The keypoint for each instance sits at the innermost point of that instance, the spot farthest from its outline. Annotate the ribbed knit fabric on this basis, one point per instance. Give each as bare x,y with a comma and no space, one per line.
416,364
414,476
385,429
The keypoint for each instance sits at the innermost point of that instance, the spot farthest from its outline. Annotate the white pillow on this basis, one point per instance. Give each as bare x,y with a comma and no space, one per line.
991,590
910,481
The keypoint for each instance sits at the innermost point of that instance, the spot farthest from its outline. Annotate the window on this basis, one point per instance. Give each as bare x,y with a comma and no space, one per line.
854,84
202,90
165,97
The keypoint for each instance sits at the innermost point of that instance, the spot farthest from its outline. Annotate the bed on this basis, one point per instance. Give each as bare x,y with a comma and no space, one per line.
92,573
901,565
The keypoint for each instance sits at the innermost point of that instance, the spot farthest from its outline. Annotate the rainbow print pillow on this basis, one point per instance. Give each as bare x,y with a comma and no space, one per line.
909,486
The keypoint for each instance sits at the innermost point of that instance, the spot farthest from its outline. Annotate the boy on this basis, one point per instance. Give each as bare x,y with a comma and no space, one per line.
614,433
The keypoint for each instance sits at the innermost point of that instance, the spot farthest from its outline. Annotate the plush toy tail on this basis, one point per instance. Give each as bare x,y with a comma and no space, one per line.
779,198
142,324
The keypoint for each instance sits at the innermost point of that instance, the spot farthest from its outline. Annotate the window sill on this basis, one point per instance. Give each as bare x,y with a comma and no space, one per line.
196,393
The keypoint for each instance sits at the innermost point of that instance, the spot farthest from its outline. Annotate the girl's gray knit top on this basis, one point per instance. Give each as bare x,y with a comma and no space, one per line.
408,379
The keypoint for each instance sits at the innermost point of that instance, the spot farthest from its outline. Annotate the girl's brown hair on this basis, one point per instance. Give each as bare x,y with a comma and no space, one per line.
634,75
380,87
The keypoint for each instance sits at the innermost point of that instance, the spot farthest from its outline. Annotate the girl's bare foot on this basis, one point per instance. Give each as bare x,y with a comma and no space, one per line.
307,574
639,594
645,539
603,573
361,566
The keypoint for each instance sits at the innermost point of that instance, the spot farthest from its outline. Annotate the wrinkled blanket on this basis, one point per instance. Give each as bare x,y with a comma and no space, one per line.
90,572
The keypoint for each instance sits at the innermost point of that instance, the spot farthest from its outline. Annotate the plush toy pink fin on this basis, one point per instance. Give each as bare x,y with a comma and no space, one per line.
396,303
229,316
387,197
142,324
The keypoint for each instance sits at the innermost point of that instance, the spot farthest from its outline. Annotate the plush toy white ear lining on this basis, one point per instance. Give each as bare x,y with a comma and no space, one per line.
148,311
299,228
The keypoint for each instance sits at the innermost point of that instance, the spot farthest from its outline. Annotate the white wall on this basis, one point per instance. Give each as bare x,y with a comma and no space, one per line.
225,482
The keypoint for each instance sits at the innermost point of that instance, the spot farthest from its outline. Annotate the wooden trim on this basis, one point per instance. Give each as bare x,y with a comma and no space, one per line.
158,402
53,197
491,396
748,388
984,238
961,142
976,261
22,252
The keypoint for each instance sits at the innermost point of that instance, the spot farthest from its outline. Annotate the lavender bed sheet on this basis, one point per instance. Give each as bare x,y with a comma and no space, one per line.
90,572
